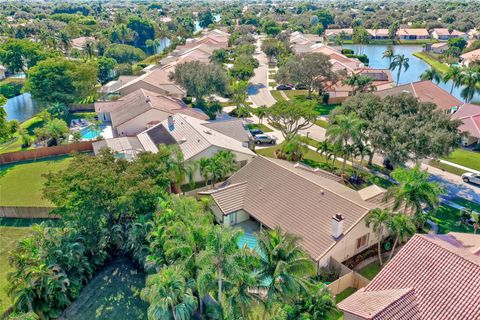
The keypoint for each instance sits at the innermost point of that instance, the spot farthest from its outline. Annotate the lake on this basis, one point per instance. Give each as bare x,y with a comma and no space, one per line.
416,68
21,107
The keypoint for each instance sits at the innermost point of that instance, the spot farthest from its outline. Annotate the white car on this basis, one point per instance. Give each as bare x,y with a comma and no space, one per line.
471,177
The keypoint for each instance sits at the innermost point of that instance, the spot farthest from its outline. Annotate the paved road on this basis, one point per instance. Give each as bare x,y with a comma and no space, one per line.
258,90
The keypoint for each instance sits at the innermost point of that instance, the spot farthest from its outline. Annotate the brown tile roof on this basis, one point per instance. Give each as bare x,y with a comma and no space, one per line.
425,91
443,272
470,116
412,32
445,32
300,201
472,55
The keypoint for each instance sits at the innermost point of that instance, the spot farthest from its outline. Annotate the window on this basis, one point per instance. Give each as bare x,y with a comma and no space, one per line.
361,242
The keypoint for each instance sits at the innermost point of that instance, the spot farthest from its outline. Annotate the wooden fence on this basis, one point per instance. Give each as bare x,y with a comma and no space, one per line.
26,212
82,107
45,152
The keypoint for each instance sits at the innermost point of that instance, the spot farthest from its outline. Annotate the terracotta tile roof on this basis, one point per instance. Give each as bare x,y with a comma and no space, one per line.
412,32
443,272
472,55
299,200
425,91
445,32
158,78
469,114
378,32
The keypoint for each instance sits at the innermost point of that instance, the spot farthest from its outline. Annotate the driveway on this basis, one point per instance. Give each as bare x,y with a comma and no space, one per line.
258,90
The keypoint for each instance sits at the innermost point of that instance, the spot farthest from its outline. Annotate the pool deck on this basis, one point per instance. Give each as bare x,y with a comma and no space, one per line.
249,226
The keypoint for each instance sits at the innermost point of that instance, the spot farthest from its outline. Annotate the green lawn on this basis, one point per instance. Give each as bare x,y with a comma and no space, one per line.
277,95
16,143
345,294
322,123
262,127
469,159
434,63
114,293
371,270
448,220
9,236
21,184
467,204
446,167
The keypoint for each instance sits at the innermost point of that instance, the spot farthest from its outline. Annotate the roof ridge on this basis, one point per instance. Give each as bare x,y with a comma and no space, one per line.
408,291
463,256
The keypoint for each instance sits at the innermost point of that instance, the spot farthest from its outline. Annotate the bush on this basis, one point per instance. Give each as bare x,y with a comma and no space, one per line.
123,53
10,90
362,57
347,51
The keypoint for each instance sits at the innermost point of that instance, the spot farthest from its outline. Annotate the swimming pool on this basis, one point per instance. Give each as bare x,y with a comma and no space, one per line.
89,133
248,239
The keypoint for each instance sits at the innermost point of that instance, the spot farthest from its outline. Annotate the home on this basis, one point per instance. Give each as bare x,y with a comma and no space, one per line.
381,80
470,58
157,80
196,139
378,34
438,48
312,204
425,91
346,33
431,277
79,43
3,70
298,38
444,34
469,114
412,34
141,109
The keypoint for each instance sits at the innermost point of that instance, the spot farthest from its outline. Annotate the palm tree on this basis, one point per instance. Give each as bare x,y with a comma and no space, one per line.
342,129
89,49
152,44
325,147
470,79
432,75
388,54
413,190
284,269
401,62
401,226
169,295
261,113
65,41
454,73
359,83
378,219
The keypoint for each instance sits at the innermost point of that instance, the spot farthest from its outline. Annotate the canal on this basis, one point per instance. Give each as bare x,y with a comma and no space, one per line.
416,68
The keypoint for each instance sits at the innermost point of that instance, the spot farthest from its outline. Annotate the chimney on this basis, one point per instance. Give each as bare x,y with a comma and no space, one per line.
171,123
337,226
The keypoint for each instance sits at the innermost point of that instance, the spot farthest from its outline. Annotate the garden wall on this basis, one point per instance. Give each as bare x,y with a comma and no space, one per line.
45,152
82,107
25,212
352,279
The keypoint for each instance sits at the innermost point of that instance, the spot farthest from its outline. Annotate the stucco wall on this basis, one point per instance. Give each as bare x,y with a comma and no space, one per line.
240,216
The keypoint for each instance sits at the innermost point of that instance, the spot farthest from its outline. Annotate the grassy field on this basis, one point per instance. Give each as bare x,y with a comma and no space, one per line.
16,143
469,159
321,123
21,184
448,220
262,127
114,293
371,270
434,63
277,95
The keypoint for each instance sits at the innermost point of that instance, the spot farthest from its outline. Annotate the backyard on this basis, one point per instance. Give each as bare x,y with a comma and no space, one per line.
21,183
114,293
371,270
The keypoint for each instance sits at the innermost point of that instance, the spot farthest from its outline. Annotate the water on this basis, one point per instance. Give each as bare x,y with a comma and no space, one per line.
164,43
416,68
88,133
216,17
248,239
21,107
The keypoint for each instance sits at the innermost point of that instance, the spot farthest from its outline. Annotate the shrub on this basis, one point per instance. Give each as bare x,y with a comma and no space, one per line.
347,51
10,90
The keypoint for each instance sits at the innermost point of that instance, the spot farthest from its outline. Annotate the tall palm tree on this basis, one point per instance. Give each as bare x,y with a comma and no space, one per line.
432,75
401,226
389,54
399,62
169,295
378,219
89,49
470,79
261,113
413,190
359,83
65,41
284,269
342,129
454,73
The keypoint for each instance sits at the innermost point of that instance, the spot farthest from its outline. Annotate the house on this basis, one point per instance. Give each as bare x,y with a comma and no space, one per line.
339,91
470,58
469,114
298,38
310,203
444,34
425,91
79,43
378,34
195,137
412,34
431,277
141,109
439,47
473,34
3,70
157,81
332,33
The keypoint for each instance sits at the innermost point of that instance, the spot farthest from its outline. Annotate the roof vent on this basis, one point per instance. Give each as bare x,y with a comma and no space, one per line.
183,140
208,131
337,225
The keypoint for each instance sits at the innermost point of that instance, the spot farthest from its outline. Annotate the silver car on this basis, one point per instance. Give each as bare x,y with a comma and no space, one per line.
263,138
471,177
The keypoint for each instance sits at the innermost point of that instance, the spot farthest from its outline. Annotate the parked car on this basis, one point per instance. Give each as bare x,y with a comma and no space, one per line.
471,177
263,138
387,164
301,87
284,87
255,132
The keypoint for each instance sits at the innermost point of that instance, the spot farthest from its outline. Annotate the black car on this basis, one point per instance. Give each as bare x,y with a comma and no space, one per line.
284,87
254,132
301,87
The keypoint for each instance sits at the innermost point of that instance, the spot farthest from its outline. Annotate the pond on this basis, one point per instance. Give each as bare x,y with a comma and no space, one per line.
417,66
197,23
21,107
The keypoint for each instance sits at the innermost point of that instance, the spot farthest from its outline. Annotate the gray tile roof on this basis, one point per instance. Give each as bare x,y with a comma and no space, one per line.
233,128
